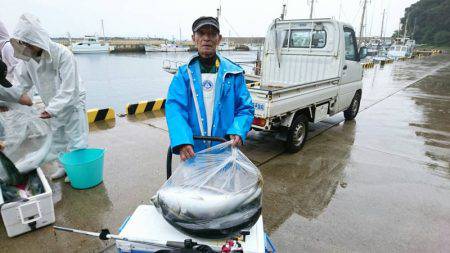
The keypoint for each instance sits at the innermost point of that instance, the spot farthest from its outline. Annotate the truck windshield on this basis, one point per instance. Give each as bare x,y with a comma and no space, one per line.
303,38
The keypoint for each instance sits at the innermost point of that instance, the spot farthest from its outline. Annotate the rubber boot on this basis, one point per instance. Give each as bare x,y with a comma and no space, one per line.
59,173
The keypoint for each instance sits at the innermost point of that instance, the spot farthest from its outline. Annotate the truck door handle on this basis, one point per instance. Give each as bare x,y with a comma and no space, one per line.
345,67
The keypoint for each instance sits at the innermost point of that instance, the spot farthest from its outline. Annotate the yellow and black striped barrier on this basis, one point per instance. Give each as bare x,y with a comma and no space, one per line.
254,84
368,65
95,115
145,106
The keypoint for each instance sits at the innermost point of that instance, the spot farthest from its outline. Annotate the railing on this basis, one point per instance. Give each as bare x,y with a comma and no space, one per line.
171,66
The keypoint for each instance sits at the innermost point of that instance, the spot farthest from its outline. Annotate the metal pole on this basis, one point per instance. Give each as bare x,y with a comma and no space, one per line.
361,28
109,236
312,9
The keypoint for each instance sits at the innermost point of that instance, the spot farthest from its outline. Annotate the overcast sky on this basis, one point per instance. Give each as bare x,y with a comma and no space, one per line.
141,18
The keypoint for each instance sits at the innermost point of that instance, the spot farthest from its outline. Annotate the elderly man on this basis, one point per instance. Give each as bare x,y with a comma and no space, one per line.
52,68
208,96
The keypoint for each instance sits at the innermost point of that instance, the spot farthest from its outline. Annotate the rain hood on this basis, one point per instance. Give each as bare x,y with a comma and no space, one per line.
4,35
29,30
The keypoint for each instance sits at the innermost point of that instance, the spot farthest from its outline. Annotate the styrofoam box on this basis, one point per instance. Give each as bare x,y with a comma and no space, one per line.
23,216
146,224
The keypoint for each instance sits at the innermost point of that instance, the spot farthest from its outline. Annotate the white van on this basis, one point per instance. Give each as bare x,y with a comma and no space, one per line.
310,71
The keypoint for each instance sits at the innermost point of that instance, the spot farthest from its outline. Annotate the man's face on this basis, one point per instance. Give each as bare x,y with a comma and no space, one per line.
25,51
207,38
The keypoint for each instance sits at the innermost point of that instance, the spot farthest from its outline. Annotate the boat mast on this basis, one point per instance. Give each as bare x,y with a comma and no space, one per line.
103,31
312,9
283,12
340,9
404,33
361,28
382,25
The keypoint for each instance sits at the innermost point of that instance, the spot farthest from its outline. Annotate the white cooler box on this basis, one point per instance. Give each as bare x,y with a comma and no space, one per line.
24,216
146,224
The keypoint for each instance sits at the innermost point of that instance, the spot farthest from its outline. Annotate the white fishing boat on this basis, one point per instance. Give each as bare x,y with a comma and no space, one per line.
91,45
225,46
173,48
399,51
152,48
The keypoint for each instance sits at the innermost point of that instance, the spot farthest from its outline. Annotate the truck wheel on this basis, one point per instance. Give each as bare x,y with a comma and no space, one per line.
297,133
353,109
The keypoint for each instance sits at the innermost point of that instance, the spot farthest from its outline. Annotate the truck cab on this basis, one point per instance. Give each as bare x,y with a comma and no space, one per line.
310,71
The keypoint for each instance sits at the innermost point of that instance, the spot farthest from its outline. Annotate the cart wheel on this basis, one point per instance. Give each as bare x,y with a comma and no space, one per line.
352,111
297,134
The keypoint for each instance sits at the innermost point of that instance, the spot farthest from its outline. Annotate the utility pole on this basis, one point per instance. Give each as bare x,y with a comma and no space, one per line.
361,28
382,24
312,9
283,12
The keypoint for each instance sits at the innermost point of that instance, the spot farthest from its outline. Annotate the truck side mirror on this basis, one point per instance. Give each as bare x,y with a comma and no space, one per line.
362,52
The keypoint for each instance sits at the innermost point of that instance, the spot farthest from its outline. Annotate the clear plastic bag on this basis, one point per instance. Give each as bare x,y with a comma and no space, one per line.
26,137
215,194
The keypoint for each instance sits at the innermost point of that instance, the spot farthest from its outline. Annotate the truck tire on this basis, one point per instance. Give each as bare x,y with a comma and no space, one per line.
353,109
297,134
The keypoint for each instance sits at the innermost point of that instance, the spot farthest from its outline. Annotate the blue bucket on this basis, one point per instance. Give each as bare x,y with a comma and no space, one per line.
84,167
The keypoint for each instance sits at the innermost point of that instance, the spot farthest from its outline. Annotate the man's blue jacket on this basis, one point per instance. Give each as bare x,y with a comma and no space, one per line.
233,107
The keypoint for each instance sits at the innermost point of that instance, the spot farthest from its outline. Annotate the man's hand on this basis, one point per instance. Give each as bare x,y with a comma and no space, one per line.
45,115
25,100
186,152
2,146
237,141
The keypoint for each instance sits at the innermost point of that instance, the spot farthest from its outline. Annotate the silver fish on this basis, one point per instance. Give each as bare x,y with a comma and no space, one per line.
203,203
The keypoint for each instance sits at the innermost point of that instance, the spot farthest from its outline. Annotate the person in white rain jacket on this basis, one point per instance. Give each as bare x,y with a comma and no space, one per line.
7,56
52,69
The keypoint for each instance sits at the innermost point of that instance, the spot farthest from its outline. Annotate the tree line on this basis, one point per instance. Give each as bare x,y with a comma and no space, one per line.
427,22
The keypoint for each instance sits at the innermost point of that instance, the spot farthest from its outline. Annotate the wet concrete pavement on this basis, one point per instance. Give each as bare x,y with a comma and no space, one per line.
379,183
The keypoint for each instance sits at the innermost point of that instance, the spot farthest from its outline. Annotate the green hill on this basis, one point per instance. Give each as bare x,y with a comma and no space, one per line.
428,22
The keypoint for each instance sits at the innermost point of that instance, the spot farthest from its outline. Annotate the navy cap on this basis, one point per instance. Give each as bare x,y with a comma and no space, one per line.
205,21
3,73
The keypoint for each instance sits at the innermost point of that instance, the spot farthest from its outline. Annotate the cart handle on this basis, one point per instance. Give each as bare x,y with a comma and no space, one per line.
169,151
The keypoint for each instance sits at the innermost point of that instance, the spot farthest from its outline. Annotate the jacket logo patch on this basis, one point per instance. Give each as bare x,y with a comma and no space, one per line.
207,85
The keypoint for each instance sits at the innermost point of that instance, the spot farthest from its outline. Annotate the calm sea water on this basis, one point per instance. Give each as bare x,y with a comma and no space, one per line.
114,80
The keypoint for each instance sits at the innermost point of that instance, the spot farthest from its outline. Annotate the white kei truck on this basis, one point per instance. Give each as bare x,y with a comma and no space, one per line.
310,71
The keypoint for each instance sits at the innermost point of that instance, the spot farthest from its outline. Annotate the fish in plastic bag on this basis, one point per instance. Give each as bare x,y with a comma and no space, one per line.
215,194
26,137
